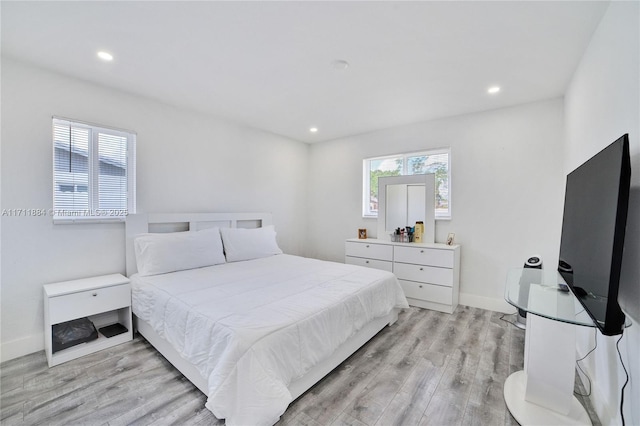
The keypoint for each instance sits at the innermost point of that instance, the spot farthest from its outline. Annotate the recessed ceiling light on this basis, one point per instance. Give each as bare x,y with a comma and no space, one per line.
313,129
340,64
105,56
493,90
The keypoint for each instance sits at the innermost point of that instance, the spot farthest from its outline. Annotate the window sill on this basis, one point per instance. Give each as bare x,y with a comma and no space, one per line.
87,220
364,216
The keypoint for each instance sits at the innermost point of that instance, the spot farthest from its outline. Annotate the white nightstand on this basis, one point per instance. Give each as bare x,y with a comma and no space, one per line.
105,300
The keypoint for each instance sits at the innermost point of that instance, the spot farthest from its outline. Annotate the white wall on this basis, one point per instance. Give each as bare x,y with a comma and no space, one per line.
507,190
186,162
601,104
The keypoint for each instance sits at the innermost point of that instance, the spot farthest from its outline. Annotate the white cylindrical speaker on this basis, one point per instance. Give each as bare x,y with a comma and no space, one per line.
533,262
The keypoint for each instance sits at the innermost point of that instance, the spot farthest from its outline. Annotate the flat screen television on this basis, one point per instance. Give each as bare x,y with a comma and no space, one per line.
593,228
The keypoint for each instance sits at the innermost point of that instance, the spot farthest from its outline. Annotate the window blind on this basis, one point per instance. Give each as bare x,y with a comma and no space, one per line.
112,176
94,172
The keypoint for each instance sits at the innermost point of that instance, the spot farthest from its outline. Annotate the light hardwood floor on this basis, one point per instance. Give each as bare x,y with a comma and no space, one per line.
429,368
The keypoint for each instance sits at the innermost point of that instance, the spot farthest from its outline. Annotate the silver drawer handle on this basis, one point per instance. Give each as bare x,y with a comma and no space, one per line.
421,251
367,246
422,269
420,286
366,261
94,294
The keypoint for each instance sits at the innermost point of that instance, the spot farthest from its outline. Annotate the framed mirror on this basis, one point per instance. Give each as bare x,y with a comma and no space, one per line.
404,200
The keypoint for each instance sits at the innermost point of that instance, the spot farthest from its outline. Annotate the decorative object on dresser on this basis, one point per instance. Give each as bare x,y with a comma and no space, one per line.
428,273
362,234
418,232
450,238
104,300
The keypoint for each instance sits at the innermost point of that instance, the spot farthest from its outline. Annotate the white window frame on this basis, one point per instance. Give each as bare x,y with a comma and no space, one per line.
93,214
368,213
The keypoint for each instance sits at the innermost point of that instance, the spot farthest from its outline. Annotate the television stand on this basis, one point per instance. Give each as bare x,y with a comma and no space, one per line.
543,392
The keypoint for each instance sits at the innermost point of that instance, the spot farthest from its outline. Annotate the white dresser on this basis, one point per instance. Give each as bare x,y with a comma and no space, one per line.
429,273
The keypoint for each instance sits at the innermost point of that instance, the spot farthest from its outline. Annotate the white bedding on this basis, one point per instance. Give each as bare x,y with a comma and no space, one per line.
252,327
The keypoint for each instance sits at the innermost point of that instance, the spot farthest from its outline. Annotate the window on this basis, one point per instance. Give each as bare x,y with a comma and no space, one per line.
434,161
93,172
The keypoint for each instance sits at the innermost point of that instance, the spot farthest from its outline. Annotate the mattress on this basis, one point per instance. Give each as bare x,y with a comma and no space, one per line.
252,327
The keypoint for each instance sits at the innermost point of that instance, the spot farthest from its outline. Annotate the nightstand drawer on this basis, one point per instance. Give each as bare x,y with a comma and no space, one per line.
424,274
369,251
425,256
90,302
369,263
428,292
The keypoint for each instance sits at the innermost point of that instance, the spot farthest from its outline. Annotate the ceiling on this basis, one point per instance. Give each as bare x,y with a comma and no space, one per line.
269,65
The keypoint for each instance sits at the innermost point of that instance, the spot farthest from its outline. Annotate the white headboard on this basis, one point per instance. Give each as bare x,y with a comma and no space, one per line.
175,222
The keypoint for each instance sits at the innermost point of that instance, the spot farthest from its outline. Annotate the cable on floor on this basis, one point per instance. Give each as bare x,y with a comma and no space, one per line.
507,321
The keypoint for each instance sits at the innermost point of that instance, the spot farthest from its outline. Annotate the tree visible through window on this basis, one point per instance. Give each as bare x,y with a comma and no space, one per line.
436,162
379,168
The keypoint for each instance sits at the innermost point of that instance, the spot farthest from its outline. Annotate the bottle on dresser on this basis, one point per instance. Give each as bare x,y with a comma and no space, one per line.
417,233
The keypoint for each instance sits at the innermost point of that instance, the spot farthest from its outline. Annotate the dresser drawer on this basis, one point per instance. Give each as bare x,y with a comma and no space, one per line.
425,256
427,292
424,274
369,263
84,303
369,250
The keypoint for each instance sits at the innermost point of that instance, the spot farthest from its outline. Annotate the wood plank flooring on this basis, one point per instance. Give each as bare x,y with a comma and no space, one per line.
429,368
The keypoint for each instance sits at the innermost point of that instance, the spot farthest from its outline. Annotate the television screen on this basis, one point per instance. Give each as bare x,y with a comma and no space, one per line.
593,227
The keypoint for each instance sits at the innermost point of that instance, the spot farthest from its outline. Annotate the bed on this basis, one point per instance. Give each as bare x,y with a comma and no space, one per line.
253,331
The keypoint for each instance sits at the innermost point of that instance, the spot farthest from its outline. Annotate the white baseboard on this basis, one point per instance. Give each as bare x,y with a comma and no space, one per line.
488,303
20,347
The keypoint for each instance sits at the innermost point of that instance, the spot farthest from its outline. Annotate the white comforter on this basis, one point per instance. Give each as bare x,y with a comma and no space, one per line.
252,327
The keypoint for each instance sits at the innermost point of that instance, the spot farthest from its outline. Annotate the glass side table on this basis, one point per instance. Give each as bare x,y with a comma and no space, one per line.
543,392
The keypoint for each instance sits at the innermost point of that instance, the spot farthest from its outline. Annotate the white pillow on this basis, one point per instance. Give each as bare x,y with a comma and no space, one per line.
245,244
176,251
